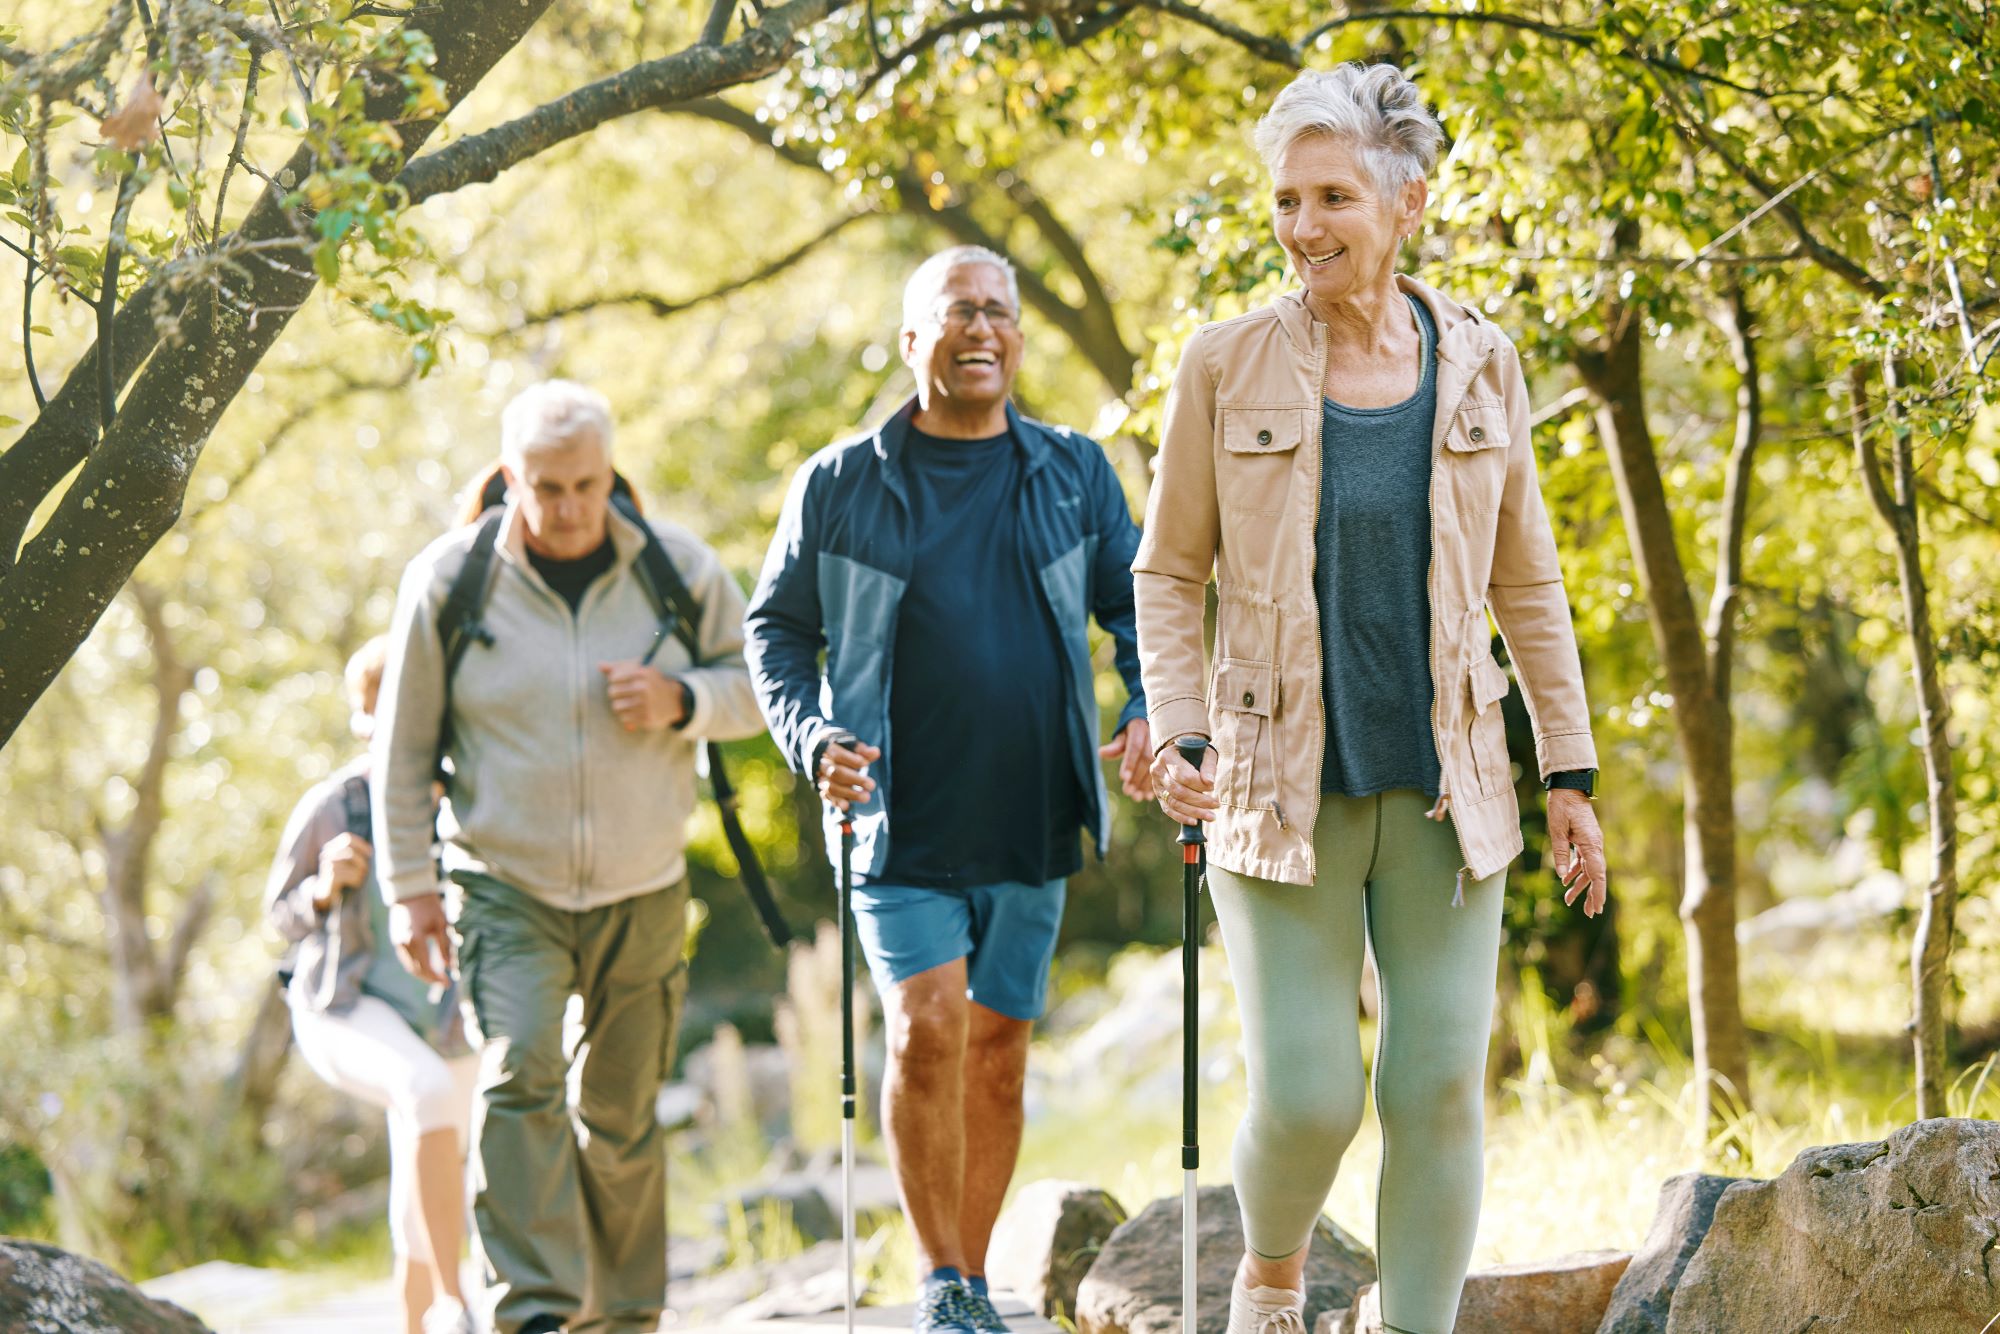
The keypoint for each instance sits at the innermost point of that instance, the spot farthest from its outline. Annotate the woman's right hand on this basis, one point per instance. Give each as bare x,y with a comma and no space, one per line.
343,865
1186,794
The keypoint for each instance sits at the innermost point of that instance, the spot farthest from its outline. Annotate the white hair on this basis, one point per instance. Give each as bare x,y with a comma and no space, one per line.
553,415
1374,107
920,294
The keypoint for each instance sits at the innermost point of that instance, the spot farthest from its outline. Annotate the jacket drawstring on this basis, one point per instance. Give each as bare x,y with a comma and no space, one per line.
1458,894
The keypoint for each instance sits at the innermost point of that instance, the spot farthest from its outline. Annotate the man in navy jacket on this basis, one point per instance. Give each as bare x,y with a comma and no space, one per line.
948,564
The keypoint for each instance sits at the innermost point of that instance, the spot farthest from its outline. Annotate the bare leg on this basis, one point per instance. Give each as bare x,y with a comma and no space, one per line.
923,1100
413,1280
441,1197
1289,1273
996,1068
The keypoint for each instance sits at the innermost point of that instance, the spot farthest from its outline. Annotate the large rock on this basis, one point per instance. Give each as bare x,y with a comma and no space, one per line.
1680,1220
1877,1238
1135,1286
48,1291
1561,1296
1047,1240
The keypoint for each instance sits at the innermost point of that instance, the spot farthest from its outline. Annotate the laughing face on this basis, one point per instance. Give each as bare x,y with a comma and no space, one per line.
1338,227
966,352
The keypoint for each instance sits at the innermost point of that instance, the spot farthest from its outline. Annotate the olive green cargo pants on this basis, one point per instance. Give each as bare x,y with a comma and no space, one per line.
569,1164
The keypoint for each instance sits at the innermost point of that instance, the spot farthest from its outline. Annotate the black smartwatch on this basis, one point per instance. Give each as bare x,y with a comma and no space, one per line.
1580,780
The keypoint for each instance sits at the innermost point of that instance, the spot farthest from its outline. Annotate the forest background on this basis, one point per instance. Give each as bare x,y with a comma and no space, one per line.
273,268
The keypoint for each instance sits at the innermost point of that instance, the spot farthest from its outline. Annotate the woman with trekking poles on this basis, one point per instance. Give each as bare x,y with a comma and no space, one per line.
1353,464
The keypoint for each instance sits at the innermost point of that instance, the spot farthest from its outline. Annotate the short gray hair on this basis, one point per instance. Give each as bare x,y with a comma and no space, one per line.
1374,107
920,294
552,415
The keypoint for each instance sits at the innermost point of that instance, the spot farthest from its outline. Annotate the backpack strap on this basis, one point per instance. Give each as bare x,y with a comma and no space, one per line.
679,613
354,806
462,620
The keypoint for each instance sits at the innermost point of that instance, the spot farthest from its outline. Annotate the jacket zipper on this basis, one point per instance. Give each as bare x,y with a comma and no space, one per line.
1318,466
1437,690
581,824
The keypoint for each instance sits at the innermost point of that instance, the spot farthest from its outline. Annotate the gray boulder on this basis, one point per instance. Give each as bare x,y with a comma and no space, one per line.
1135,1285
1876,1238
44,1290
1680,1220
1566,1295
1047,1240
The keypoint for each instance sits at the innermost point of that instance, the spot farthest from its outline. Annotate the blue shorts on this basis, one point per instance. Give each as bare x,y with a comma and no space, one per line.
1006,933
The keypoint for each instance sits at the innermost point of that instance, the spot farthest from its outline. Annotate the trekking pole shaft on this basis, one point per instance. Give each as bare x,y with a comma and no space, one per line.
1194,865
1194,868
847,1058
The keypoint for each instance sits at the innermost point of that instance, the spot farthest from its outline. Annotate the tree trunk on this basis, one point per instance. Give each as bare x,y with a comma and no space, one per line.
1930,953
143,985
1701,722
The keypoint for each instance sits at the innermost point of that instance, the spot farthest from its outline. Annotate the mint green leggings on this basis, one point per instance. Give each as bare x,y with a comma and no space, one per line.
1386,873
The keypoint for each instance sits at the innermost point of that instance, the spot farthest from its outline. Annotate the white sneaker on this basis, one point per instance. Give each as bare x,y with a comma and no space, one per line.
447,1315
1266,1310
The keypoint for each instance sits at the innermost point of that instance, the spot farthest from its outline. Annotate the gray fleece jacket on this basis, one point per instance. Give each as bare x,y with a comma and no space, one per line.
550,793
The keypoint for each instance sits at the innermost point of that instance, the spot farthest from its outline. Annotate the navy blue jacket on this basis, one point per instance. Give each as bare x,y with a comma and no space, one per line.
834,577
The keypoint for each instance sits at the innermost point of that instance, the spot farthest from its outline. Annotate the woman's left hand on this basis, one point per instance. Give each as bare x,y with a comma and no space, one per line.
1579,846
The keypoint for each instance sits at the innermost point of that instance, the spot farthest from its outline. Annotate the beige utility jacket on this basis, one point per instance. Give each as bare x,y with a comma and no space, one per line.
1237,495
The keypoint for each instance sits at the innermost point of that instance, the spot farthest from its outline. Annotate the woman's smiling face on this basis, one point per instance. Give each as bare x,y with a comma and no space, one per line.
1338,227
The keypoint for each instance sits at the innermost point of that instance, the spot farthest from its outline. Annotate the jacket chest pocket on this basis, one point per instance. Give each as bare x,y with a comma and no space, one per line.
1241,702
1254,484
1474,461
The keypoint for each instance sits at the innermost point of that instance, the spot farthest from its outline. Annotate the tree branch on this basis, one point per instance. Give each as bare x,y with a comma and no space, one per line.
1576,399
1274,49
662,306
964,21
717,28
1866,460
1950,260
28,331
242,137
1693,129
1736,322
1105,351
695,72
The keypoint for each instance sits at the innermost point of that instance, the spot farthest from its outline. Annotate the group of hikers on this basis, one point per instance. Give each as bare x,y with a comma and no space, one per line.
489,907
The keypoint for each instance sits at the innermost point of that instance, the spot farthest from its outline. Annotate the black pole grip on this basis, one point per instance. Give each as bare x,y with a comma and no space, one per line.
1192,748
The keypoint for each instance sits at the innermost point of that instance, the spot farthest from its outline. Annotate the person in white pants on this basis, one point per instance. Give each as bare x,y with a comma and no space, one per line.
369,1029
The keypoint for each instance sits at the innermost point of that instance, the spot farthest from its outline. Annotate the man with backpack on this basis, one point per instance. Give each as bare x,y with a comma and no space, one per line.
538,666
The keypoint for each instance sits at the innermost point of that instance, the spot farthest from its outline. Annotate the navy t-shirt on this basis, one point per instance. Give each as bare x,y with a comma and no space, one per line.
984,790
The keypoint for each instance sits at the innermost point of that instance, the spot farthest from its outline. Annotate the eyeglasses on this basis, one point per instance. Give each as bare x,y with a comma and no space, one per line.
961,314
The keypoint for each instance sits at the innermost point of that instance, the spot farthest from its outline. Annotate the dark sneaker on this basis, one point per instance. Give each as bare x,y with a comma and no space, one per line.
984,1315
943,1308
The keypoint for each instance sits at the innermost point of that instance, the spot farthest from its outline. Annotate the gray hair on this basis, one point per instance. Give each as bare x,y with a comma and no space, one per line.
1374,107
553,415
920,294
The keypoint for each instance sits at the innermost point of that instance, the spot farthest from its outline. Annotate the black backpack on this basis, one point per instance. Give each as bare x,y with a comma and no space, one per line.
461,623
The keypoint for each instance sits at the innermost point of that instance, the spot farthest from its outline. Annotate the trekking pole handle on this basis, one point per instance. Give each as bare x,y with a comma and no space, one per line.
1191,749
846,740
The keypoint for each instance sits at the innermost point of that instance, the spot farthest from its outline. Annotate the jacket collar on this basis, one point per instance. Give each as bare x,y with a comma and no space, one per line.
1462,333
892,438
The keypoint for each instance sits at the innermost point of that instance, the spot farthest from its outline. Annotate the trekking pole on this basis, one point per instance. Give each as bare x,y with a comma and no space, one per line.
846,916
1194,870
